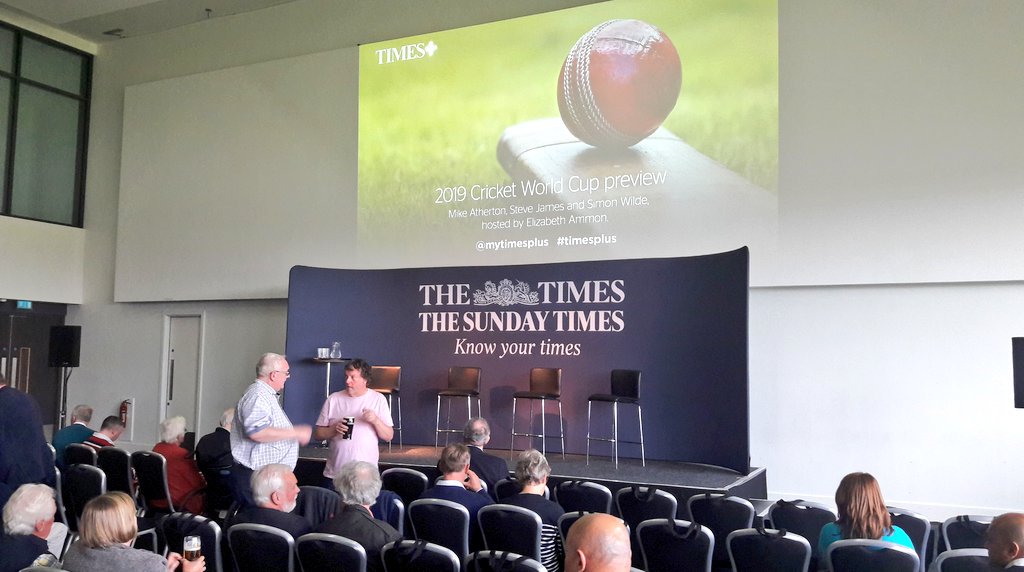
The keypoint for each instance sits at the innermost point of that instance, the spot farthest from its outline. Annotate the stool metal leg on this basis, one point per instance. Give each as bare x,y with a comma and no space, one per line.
640,415
437,421
615,432
543,426
588,431
561,428
512,441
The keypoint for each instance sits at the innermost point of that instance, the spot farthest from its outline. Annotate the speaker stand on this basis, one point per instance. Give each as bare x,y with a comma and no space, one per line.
64,397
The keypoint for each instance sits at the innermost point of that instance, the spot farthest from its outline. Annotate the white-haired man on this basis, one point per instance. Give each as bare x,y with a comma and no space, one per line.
213,451
261,433
491,469
274,490
28,521
358,483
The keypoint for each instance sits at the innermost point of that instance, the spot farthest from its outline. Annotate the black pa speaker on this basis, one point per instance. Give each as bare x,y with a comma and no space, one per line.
65,342
1018,373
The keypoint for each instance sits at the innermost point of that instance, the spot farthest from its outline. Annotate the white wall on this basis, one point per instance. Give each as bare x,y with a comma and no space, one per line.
911,383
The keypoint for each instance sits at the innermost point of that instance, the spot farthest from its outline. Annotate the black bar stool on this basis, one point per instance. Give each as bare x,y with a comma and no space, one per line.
386,380
625,390
545,385
463,382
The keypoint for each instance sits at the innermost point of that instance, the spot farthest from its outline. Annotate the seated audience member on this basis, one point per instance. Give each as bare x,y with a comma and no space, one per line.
461,485
532,471
358,483
490,468
183,477
77,432
107,529
214,449
110,431
862,514
1005,541
28,521
213,455
597,542
274,490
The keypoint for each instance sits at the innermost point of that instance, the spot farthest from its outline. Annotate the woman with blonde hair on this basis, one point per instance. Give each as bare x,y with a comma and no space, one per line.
107,530
862,514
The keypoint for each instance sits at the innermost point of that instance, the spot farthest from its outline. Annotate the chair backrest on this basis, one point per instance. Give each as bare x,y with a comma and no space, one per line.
317,505
419,556
261,547
861,555
58,489
510,528
965,531
441,522
917,527
506,488
546,380
151,470
962,560
117,465
396,516
497,561
768,550
218,488
465,378
77,453
669,545
386,377
802,518
626,383
406,483
566,521
177,526
319,551
81,483
637,504
722,514
585,496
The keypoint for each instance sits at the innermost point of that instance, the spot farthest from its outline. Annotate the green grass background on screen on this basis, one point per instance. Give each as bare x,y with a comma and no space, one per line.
436,121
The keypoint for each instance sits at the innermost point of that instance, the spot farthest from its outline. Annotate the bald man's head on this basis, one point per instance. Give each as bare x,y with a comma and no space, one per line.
597,543
1005,539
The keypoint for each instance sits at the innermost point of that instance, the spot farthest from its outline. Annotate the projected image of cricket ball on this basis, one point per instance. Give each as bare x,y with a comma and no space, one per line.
619,83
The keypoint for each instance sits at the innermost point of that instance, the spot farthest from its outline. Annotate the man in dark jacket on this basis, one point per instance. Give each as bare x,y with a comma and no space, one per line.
490,469
358,483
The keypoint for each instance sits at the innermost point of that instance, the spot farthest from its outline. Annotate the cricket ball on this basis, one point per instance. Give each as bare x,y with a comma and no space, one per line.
618,83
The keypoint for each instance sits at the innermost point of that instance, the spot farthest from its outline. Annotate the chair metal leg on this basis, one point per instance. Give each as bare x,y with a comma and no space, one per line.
448,421
640,416
588,431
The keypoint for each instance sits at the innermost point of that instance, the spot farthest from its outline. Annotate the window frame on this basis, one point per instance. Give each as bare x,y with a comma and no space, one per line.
84,99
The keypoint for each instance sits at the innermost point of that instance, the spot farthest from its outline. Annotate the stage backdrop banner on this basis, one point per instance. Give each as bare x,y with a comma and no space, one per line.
681,321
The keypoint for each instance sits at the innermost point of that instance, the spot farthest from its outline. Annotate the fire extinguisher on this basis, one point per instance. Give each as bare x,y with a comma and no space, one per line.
124,411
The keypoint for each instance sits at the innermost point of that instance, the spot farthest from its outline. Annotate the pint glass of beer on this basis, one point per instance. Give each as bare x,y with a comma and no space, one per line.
193,548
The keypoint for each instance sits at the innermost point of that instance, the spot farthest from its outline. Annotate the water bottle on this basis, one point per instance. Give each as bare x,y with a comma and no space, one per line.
336,350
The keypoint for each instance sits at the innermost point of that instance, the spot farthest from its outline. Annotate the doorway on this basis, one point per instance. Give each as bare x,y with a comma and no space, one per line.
182,379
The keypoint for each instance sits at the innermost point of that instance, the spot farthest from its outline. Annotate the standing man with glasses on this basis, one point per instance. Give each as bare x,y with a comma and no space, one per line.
261,433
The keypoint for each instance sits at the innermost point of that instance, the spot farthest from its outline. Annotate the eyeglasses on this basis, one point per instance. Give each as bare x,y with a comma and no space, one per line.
285,372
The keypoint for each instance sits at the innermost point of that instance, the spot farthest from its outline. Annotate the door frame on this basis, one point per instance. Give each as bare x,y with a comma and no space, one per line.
165,369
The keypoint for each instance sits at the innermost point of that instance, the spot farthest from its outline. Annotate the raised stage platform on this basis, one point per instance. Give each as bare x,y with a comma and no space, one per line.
682,480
